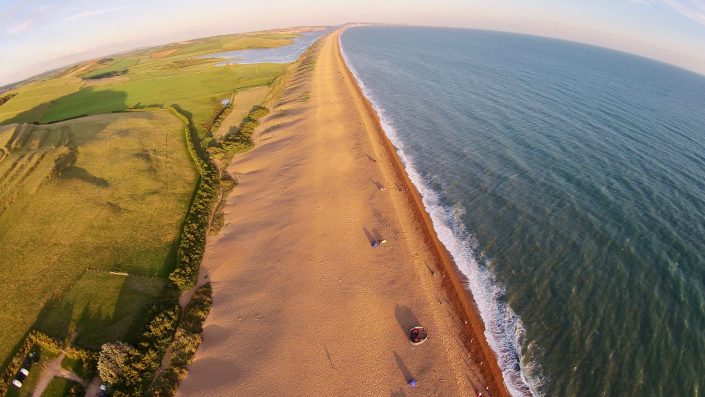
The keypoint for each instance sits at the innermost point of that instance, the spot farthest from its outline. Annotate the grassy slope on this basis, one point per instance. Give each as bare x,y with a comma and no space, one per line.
121,205
119,208
197,91
120,64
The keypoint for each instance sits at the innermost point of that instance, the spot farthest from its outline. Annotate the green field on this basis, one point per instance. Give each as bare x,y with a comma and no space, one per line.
197,91
60,387
121,64
179,77
118,207
242,103
99,308
96,178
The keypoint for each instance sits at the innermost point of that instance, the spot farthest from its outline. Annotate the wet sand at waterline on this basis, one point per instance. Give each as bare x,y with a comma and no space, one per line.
303,304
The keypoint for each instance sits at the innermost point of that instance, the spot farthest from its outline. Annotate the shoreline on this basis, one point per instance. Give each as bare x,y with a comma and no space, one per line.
460,296
298,285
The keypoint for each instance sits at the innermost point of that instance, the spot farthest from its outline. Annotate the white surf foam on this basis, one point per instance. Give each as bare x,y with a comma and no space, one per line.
504,330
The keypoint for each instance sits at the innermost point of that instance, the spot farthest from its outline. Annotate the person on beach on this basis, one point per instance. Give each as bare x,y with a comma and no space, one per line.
377,243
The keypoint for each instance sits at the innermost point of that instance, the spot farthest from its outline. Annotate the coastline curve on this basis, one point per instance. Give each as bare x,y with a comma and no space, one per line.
500,342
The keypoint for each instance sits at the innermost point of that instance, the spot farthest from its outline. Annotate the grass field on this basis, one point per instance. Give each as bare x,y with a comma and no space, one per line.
123,63
84,187
99,308
176,75
59,387
119,207
243,101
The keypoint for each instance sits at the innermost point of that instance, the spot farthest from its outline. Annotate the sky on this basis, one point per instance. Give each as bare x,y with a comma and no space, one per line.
39,35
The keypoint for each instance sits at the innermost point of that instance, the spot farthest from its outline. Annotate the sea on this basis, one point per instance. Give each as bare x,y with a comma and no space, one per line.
568,183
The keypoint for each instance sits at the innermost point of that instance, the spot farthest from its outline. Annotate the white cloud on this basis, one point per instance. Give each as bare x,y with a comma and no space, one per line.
693,9
90,13
21,27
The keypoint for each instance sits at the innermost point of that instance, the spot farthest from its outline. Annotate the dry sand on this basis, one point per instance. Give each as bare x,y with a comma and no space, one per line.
303,305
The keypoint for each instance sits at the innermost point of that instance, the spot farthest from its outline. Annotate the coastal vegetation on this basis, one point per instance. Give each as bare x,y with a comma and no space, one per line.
107,193
185,343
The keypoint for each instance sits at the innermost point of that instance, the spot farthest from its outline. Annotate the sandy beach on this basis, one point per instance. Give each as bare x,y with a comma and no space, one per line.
303,303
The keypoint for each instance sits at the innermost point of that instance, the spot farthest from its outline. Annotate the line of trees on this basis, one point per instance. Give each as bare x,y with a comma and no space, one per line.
192,243
186,342
129,369
241,139
5,98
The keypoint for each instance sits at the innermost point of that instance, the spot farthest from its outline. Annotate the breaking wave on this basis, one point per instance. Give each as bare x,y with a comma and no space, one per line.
504,330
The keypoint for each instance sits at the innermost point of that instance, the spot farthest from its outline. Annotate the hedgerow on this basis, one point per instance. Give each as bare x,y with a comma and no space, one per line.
192,243
241,139
129,369
185,343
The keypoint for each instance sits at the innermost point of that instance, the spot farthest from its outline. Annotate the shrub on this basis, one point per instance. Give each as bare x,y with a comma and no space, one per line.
241,139
198,308
185,343
6,98
130,369
115,364
192,243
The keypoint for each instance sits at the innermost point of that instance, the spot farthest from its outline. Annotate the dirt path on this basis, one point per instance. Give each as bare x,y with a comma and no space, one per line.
303,304
52,369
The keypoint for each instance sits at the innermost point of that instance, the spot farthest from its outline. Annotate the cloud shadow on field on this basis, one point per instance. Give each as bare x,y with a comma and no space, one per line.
85,102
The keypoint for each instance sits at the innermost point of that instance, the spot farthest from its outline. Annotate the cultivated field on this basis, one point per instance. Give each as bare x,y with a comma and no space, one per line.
106,192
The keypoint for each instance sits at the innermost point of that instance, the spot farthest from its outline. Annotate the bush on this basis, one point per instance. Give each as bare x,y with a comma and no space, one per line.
220,116
184,348
185,343
197,310
167,382
6,98
192,243
241,139
129,369
115,364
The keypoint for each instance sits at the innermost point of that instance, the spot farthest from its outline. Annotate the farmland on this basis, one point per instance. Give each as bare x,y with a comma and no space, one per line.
96,181
118,206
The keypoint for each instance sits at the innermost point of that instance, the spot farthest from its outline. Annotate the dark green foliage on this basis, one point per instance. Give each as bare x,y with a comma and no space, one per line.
167,382
115,364
193,235
106,75
222,114
130,369
227,184
4,99
241,139
196,311
185,343
258,112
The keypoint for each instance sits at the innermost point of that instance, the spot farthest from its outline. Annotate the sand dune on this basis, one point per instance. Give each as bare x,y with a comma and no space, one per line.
303,304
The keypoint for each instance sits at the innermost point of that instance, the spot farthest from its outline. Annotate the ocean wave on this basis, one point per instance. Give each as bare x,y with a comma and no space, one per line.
504,330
